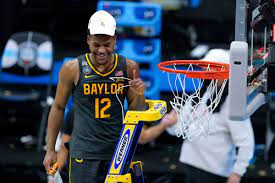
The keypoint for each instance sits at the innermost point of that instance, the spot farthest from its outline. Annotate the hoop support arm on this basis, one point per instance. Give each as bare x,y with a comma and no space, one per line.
157,109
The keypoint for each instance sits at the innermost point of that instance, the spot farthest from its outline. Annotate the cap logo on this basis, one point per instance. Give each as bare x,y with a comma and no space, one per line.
102,24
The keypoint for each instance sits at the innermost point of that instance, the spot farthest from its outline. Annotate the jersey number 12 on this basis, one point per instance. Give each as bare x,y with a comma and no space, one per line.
101,105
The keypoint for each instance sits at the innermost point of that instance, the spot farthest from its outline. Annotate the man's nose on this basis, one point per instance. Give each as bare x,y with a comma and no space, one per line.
101,49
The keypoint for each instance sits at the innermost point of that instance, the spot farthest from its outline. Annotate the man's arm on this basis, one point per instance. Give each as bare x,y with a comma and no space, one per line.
135,96
67,128
149,134
243,137
62,154
67,78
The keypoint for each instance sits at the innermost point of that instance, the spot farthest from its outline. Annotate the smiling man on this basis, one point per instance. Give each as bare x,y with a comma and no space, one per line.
97,112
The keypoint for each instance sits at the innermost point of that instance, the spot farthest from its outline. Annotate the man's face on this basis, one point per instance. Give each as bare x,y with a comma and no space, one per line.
101,47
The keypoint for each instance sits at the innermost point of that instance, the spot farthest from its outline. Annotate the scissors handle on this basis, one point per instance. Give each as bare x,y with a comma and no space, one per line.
53,169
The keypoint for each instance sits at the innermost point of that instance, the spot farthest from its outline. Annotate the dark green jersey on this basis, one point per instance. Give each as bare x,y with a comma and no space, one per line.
97,111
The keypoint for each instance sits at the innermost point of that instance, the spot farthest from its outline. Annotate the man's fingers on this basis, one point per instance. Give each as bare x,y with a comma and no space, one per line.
47,167
140,87
134,73
136,82
139,83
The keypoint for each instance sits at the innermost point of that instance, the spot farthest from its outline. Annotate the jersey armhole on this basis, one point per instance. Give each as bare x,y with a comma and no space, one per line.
79,68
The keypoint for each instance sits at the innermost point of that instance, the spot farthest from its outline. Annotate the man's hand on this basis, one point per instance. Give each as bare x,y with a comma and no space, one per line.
50,179
234,178
169,119
49,160
137,85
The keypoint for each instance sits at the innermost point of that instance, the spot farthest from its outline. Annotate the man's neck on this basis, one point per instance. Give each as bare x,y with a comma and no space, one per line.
102,68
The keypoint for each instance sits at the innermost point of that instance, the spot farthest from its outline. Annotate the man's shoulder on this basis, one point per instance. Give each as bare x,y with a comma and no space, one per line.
130,62
71,65
70,62
120,56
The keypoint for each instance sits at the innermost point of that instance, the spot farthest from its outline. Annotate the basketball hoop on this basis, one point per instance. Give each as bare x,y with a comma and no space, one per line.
195,108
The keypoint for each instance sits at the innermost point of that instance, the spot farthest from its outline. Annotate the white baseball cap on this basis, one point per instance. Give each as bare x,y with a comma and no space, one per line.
217,55
102,22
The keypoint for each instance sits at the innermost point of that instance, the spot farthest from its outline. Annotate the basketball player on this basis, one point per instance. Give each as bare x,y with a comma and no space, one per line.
97,112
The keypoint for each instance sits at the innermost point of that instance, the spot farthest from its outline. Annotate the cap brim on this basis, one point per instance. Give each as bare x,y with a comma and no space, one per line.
105,32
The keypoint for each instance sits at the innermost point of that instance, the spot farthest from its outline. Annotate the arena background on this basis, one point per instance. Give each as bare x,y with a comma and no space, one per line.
184,28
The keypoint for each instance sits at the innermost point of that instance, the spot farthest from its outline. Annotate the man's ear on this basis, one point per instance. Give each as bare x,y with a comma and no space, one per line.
115,40
88,39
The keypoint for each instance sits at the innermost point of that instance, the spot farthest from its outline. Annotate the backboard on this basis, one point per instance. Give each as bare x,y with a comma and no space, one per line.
251,65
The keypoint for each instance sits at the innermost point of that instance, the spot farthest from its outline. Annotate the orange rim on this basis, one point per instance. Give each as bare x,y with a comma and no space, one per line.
218,70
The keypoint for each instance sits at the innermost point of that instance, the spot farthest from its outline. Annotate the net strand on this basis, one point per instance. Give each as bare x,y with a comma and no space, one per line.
119,88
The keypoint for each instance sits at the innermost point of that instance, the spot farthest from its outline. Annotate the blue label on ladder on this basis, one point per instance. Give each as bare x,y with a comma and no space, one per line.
122,149
144,18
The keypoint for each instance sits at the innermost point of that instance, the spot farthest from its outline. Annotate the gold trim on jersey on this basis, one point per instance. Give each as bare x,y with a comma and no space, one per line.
96,71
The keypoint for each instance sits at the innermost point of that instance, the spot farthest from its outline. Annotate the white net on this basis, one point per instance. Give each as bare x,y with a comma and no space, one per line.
194,108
